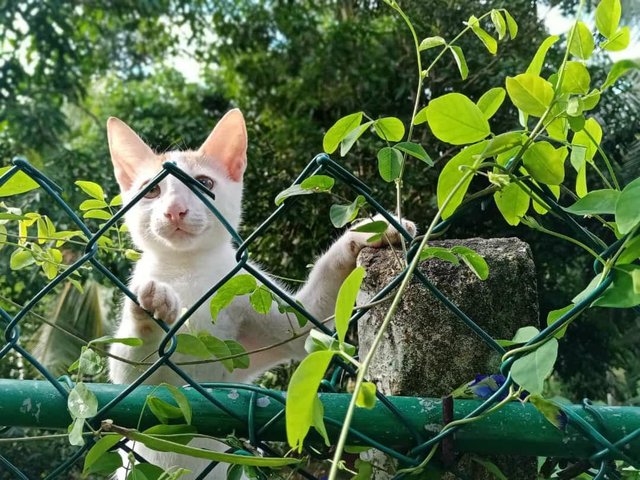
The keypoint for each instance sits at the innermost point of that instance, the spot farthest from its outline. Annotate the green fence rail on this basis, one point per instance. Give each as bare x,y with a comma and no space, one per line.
597,435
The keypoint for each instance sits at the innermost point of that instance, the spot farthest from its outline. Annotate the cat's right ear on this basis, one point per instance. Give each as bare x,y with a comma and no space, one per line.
129,153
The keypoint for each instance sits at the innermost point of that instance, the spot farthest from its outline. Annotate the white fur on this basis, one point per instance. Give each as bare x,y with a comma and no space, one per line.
178,268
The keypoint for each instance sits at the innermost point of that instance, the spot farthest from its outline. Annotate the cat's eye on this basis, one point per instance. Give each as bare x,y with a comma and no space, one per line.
206,181
153,193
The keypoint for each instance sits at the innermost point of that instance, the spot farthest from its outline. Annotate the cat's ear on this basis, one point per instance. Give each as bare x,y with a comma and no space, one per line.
227,144
129,153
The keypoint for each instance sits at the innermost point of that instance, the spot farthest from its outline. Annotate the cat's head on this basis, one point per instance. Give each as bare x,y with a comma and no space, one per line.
170,217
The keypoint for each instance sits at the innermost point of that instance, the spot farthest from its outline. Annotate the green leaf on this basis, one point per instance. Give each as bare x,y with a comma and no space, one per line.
261,300
318,183
341,215
75,432
162,410
162,445
82,402
476,263
511,24
101,447
490,101
618,41
627,211
132,255
576,79
583,139
530,93
618,70
106,464
461,62
116,201
582,43
455,119
439,252
350,140
92,203
389,163
596,202
191,345
91,188
513,203
554,315
346,300
301,395
318,420
319,342
589,102
550,410
503,143
235,348
17,184
608,16
431,42
238,285
90,363
535,67
378,226
21,258
390,129
524,334
415,150
624,292
131,341
530,370
488,41
99,214
499,23
630,253
340,130
3,236
310,185
181,400
545,163
452,173
366,396
218,348
152,472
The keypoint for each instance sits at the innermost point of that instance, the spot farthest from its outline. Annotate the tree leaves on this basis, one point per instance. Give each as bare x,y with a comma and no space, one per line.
490,101
339,131
608,15
19,183
513,203
461,62
301,395
390,129
545,163
455,119
627,211
389,163
530,370
530,93
582,42
596,202
346,300
618,70
310,185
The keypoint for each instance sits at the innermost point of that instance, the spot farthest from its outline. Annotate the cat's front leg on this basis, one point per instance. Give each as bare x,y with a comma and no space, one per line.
321,290
162,302
156,298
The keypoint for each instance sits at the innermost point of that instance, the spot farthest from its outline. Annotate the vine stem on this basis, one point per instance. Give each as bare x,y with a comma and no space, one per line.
344,432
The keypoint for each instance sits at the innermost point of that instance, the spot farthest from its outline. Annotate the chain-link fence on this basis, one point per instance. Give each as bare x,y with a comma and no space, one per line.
597,436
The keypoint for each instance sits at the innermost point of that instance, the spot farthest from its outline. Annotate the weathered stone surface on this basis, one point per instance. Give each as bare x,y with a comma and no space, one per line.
427,350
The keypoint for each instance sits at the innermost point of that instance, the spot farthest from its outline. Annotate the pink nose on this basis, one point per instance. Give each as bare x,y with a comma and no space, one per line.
175,213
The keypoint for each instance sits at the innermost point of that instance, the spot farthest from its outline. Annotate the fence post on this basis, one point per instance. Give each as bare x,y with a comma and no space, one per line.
428,351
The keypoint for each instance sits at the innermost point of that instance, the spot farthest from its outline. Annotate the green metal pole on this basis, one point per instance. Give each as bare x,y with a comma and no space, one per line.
516,429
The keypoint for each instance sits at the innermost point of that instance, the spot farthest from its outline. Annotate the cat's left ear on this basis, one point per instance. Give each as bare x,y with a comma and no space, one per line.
227,144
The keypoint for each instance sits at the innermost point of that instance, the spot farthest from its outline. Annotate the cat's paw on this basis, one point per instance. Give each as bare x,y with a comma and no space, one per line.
158,299
390,237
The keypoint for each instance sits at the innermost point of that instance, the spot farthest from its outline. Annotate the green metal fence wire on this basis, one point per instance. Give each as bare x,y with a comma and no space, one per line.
584,420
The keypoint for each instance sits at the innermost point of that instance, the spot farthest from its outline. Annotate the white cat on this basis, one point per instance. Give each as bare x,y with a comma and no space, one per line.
186,250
